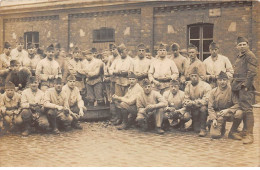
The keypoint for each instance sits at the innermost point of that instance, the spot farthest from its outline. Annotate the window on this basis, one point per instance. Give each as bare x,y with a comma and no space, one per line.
104,35
31,38
201,35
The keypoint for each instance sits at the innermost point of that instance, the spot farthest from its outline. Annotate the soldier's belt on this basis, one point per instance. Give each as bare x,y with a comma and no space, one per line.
163,81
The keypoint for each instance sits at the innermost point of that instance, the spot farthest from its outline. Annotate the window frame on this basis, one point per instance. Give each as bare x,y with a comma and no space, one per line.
33,34
103,30
201,38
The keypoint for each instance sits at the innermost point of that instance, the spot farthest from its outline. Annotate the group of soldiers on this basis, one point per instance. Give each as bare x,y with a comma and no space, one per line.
50,90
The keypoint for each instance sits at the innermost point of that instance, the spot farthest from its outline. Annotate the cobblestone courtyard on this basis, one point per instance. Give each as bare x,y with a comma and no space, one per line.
101,144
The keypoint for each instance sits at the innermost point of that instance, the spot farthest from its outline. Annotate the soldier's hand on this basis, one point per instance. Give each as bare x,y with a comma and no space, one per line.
214,123
50,77
60,108
149,107
3,110
81,113
16,112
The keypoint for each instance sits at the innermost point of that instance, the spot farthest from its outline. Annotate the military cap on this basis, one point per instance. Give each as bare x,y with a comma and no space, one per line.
194,70
76,50
174,82
57,45
93,50
241,39
7,45
175,46
131,75
112,46
14,63
121,48
9,85
146,82
50,48
192,46
141,46
20,40
162,46
213,45
71,77
222,75
147,50
33,79
30,46
58,80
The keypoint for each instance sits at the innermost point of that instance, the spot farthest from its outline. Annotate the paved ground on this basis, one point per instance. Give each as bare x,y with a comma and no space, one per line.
100,144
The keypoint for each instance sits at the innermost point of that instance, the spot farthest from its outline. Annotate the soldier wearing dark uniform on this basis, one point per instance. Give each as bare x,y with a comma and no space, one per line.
32,108
245,70
222,106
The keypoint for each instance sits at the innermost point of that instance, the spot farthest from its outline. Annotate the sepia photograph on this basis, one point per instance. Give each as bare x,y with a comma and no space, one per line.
129,83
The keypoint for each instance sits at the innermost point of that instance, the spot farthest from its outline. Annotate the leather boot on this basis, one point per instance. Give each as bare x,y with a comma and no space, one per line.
26,131
53,124
249,138
233,131
124,124
159,130
202,133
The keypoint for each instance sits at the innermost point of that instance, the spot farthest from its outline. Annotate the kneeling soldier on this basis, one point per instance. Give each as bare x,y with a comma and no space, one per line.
56,103
76,103
223,104
126,105
10,107
196,101
150,105
32,105
175,110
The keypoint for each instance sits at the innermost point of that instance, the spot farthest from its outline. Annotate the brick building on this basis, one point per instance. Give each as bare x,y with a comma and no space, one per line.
97,23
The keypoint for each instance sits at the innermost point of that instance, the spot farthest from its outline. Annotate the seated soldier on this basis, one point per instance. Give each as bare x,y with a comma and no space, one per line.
150,105
76,103
18,75
126,105
57,107
223,104
32,107
10,107
196,101
175,110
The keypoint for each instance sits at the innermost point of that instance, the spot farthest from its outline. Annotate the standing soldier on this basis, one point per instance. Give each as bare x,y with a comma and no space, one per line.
216,63
76,103
75,68
196,101
32,60
32,107
127,104
106,76
48,69
5,59
60,57
181,63
19,53
162,70
141,64
175,110
19,75
223,104
150,105
245,70
195,62
92,70
57,107
10,107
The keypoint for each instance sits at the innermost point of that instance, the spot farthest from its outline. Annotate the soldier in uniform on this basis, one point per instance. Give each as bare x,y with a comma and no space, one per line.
196,101
181,63
19,53
126,105
10,107
141,64
48,69
32,108
5,59
223,105
148,54
76,103
162,70
32,60
195,62
92,70
245,71
60,57
216,63
150,105
18,75
57,107
174,109
106,76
